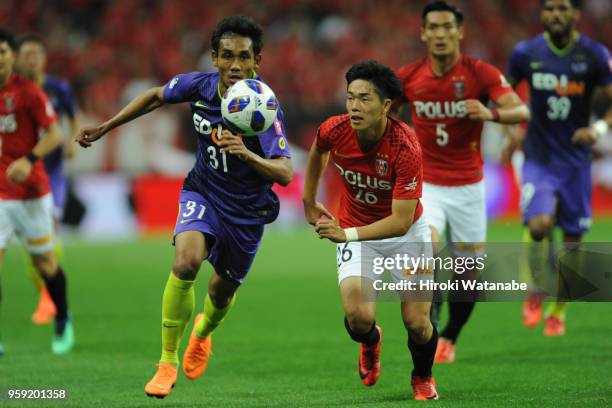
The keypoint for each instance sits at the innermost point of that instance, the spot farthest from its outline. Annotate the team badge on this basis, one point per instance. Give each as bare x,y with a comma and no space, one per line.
579,67
9,103
459,89
282,143
381,167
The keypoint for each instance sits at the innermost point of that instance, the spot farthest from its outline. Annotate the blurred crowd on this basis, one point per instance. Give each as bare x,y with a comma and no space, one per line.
106,47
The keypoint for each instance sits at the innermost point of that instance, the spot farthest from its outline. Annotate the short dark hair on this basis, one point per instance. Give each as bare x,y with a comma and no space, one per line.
30,37
241,25
442,6
385,82
575,3
8,37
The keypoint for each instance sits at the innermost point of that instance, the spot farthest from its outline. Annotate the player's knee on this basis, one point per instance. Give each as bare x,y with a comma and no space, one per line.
45,265
359,321
540,228
417,324
220,299
186,265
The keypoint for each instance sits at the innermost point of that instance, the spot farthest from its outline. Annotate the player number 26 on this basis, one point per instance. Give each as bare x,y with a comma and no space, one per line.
441,134
190,209
366,197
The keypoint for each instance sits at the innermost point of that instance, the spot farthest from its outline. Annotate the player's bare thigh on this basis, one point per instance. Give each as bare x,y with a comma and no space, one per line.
190,250
359,302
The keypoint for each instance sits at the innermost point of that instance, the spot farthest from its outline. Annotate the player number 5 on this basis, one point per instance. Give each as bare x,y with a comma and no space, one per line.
441,134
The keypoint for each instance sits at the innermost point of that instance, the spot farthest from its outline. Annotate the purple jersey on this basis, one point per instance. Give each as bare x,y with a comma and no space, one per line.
561,83
60,95
238,192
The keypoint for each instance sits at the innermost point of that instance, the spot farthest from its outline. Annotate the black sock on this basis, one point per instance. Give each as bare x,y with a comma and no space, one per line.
423,355
56,286
459,313
369,338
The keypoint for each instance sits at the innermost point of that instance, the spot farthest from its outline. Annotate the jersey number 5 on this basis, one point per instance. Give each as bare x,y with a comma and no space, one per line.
441,134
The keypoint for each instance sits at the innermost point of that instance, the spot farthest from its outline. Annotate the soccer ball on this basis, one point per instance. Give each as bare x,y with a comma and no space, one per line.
249,107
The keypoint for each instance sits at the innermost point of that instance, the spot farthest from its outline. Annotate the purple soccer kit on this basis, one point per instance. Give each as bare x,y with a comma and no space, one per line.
60,95
222,196
557,173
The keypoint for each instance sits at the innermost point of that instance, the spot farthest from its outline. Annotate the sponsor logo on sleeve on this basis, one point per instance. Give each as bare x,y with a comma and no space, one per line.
49,109
173,82
282,143
504,82
278,128
412,185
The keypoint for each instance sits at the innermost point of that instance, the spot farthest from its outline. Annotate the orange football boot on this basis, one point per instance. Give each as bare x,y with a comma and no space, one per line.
369,361
532,310
554,326
445,352
195,359
45,310
162,382
424,388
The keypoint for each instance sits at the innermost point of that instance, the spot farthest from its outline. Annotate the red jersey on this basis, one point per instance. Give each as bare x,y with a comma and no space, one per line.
449,139
390,170
24,111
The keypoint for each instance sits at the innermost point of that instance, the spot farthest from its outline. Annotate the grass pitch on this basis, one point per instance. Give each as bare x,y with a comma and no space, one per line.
284,343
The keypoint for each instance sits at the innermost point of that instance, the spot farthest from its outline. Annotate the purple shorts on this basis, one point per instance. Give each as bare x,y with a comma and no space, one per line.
564,193
59,189
232,248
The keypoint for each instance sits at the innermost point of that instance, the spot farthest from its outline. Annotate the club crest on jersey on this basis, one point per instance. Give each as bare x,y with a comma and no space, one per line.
579,67
9,103
459,87
381,167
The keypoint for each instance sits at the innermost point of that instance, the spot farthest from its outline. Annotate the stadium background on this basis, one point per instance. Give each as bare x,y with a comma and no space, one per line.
125,190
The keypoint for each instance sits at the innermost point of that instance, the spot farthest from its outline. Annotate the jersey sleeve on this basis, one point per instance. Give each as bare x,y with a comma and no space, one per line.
274,140
40,108
603,66
408,173
515,65
493,81
68,100
324,139
181,88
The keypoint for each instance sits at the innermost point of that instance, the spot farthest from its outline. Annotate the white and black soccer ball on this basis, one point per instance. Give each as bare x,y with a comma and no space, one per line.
249,107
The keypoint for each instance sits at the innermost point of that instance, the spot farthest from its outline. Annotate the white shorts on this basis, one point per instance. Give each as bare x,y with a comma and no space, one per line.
462,208
359,258
31,220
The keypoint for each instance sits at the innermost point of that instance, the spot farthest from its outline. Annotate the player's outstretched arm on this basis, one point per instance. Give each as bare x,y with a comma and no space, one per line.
395,225
74,123
19,170
510,109
317,161
590,135
278,170
145,103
